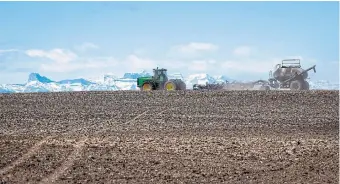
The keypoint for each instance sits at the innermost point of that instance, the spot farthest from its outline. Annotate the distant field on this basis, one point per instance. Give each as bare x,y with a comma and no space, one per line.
170,137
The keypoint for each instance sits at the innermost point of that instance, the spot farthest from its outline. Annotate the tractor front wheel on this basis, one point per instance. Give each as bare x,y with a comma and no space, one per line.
147,87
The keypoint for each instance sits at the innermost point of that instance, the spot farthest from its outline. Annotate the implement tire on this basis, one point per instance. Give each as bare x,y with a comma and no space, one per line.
296,85
305,85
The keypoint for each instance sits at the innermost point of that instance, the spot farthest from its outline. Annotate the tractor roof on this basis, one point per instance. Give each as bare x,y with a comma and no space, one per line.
160,69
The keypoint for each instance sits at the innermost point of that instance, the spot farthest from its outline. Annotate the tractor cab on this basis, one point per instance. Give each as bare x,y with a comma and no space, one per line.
160,75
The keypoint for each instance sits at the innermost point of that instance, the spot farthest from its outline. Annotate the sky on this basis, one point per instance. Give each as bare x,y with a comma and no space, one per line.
241,40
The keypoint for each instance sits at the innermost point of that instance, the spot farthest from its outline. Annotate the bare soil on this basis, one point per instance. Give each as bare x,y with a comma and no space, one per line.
170,137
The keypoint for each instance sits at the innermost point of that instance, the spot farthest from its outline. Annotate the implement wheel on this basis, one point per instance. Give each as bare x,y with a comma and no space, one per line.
296,85
147,87
306,85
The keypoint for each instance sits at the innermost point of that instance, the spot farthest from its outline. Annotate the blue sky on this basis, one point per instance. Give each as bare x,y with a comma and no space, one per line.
242,40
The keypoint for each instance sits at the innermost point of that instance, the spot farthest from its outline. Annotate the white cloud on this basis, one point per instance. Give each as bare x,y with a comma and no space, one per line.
135,63
201,65
8,50
259,65
86,46
67,61
54,67
247,67
131,63
140,51
242,51
198,65
195,46
211,61
193,49
81,64
57,55
238,64
174,64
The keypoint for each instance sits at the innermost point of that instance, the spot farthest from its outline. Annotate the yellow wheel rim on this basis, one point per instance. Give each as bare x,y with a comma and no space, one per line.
147,87
170,86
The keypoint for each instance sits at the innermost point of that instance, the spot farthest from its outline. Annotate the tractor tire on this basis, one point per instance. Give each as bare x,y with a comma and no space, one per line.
181,85
174,84
297,85
306,85
170,85
147,86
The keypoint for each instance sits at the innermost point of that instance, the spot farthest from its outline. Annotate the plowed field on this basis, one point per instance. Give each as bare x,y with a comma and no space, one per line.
170,137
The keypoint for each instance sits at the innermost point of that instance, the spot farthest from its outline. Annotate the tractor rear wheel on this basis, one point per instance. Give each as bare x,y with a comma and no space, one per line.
296,85
181,85
147,87
174,84
170,85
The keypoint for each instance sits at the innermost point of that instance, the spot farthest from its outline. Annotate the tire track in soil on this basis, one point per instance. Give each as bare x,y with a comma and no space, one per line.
76,154
26,156
107,126
130,121
138,116
163,111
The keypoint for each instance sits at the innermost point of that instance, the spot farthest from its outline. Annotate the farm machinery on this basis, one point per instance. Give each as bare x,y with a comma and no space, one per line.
208,86
232,86
287,75
160,81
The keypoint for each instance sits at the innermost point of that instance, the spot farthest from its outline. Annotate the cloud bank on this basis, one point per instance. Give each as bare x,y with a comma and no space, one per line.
193,57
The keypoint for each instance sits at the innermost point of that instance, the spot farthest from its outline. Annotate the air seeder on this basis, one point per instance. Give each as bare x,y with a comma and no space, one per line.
290,75
287,75
160,81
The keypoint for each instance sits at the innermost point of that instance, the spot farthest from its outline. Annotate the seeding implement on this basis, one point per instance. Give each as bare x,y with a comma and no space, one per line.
290,75
287,75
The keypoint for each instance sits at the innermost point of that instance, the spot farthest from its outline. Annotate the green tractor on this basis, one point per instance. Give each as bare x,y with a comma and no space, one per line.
160,81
